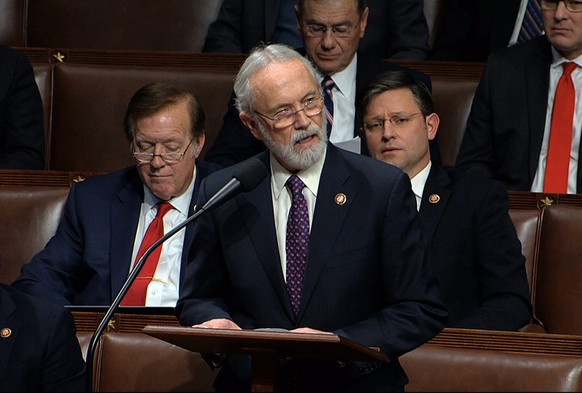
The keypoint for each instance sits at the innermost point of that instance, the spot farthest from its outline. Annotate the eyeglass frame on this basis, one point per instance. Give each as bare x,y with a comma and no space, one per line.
334,29
161,155
293,113
365,126
567,4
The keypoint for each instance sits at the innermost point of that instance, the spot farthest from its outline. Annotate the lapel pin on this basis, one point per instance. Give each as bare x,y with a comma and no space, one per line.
434,198
5,332
340,198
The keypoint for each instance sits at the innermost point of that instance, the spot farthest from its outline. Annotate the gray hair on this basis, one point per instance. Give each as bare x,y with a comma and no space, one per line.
260,57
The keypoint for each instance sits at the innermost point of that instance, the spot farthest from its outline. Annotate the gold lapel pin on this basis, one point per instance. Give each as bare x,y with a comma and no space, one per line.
434,198
5,332
340,198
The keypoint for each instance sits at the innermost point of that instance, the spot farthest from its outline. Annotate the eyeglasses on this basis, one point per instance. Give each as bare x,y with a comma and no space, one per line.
571,5
171,157
398,121
286,117
340,31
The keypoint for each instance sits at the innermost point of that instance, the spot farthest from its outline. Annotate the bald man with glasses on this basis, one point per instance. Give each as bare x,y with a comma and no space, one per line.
107,217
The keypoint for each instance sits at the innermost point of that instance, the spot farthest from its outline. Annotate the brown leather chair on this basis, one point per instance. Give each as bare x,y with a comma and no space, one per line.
89,104
12,22
452,102
43,77
434,368
558,292
527,224
168,25
135,362
30,216
433,11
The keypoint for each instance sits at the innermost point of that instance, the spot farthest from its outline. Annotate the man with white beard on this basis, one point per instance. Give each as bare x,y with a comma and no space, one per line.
341,254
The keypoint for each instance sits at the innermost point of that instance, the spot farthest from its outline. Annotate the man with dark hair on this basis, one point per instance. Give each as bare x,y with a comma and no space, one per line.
472,242
398,28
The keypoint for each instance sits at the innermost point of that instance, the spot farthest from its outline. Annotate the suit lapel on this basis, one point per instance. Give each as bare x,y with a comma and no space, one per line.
536,96
334,198
127,207
435,198
261,227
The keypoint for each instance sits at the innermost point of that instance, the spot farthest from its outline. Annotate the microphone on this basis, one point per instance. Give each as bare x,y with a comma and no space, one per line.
250,174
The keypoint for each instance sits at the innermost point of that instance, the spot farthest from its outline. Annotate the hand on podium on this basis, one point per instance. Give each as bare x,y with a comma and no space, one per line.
219,323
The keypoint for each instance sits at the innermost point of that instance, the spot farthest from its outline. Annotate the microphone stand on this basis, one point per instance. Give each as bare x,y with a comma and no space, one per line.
115,304
251,174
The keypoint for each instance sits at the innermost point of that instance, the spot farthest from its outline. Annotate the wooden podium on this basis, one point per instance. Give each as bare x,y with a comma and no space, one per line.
266,347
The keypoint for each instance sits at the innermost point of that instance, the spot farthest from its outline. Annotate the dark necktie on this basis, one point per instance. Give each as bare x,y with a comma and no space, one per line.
327,83
559,145
532,22
136,295
297,240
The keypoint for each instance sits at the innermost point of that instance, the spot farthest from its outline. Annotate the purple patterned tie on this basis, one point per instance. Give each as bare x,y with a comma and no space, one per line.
297,240
327,83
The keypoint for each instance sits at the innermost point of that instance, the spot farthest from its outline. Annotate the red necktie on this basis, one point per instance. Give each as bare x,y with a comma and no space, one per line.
559,146
136,295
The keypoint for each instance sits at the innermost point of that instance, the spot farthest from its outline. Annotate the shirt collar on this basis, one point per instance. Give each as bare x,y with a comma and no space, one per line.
310,176
558,60
419,181
344,80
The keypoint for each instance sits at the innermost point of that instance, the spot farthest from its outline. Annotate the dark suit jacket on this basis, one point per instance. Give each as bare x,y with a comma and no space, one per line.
367,278
396,28
88,259
21,113
475,251
471,29
39,351
235,143
505,127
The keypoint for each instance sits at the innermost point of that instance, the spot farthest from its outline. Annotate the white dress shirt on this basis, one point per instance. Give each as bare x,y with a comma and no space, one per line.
163,290
282,199
556,70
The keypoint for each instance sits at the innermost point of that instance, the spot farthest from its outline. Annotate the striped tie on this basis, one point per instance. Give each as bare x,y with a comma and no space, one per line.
532,22
327,83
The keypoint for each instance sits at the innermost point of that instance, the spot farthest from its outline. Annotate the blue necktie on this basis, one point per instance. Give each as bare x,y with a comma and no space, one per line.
297,241
327,83
532,22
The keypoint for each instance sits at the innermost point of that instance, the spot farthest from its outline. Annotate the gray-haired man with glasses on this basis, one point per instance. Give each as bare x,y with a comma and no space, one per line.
509,128
329,241
106,217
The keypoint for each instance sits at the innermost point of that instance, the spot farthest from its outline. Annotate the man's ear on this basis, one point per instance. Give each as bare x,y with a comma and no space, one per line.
250,124
200,140
432,125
